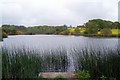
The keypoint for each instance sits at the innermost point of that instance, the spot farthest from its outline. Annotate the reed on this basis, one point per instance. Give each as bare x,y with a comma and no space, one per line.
23,63
105,62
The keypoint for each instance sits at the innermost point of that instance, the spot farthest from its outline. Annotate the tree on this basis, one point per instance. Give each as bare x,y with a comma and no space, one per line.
116,25
19,32
65,32
4,35
99,23
91,28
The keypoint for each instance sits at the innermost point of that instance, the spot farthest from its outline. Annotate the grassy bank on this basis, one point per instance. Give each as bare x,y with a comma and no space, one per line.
114,33
100,35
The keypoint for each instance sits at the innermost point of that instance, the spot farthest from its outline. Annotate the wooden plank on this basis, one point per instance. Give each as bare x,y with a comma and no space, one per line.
55,74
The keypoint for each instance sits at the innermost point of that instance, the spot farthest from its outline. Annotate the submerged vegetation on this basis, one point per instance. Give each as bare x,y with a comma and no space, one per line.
94,64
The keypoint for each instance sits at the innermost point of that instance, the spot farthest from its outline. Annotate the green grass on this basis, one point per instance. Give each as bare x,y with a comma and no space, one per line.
71,30
115,31
82,30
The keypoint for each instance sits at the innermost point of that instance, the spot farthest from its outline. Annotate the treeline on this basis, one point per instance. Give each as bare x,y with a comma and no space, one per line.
91,27
17,30
95,25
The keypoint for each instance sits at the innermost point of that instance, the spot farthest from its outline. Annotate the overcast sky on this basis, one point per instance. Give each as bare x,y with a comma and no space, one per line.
56,12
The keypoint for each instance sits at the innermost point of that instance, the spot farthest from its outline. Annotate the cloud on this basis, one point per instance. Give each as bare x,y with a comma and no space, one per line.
57,12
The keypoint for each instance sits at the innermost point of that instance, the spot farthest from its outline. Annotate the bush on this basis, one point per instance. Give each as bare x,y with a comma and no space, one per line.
77,31
4,35
83,75
106,31
59,78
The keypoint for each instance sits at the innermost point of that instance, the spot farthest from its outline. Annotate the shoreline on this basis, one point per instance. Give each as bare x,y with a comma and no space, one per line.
84,35
100,35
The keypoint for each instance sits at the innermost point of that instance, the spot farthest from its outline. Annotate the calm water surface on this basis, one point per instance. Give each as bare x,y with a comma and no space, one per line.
44,42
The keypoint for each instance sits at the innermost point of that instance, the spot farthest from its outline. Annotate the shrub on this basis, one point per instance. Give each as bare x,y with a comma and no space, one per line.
83,75
4,35
106,31
60,78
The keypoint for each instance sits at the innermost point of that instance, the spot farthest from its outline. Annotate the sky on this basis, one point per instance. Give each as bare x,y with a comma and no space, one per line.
56,12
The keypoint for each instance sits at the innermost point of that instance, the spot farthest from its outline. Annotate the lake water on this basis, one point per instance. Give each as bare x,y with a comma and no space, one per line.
44,42
47,42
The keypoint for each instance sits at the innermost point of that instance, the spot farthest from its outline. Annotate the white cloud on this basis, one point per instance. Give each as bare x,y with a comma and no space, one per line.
57,12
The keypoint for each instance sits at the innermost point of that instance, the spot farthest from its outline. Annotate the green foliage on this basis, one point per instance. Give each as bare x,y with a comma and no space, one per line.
60,78
22,63
77,31
116,25
4,35
99,23
106,31
91,27
92,63
60,29
65,32
83,75
46,29
12,29
41,78
91,30
98,62
103,77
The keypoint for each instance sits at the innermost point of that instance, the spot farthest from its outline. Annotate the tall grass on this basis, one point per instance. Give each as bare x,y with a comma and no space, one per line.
98,63
22,63
55,61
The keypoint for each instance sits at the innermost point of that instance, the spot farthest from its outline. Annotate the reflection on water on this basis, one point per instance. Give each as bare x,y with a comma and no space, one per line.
43,42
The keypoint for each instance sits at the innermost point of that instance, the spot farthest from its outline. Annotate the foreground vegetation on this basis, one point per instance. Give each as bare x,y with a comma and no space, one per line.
94,64
28,64
95,26
98,63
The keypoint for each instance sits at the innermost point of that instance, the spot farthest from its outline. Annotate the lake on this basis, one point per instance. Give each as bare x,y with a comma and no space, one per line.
47,42
44,42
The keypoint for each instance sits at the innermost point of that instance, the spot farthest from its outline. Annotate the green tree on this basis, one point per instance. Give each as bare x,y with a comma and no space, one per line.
65,32
91,28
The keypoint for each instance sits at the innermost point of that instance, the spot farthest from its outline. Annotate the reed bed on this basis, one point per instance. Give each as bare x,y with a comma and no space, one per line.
22,63
98,63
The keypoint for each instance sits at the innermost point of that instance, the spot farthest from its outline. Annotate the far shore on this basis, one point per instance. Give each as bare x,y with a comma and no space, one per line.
85,35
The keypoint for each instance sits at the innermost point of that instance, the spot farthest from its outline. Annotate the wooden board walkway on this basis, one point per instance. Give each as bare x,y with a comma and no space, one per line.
56,74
